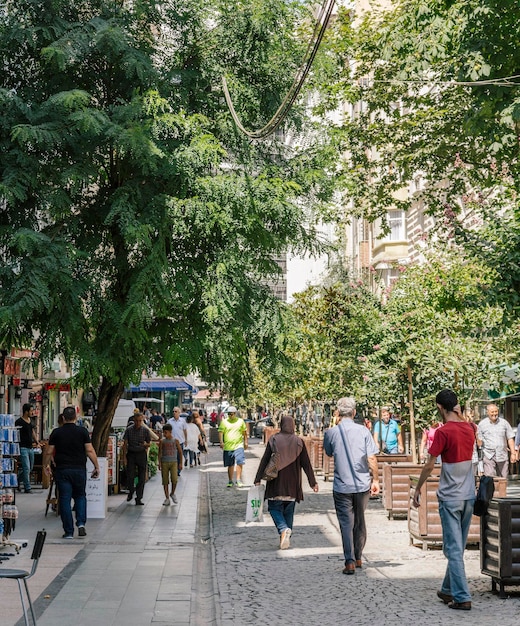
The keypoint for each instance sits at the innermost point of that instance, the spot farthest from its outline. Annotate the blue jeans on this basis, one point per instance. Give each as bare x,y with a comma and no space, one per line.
350,510
71,484
455,519
27,463
282,512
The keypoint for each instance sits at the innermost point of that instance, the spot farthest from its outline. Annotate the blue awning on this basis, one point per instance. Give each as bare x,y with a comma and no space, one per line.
163,385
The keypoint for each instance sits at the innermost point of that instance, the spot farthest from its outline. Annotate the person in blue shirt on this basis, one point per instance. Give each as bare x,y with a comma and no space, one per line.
387,434
355,479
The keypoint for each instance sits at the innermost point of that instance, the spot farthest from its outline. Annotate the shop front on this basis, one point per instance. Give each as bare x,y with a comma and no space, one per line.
171,391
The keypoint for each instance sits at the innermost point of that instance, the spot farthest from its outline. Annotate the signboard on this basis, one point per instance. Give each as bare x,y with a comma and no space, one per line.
56,386
111,460
11,367
21,353
97,490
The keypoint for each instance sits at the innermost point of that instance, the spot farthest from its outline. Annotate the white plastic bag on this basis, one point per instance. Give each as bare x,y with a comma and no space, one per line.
255,504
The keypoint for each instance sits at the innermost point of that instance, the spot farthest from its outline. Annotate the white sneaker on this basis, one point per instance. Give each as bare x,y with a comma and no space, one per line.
285,539
166,502
174,498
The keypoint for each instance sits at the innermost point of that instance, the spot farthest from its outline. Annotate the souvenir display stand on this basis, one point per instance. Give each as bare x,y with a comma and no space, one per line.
9,449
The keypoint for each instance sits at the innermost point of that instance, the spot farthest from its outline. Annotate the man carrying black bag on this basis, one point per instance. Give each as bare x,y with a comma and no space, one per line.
454,442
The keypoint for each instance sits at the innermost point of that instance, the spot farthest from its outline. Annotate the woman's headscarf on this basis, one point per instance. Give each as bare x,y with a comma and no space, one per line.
286,443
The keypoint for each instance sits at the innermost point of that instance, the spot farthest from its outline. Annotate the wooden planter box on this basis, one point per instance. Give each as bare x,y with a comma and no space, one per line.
269,431
424,523
314,447
328,465
390,458
396,486
500,543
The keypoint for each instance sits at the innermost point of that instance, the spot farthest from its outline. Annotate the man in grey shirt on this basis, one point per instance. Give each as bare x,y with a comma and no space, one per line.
495,435
355,479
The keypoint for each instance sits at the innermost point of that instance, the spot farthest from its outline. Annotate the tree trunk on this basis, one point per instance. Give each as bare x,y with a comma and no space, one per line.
413,443
109,395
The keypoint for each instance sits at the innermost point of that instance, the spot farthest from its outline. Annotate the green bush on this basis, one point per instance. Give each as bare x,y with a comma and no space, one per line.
153,455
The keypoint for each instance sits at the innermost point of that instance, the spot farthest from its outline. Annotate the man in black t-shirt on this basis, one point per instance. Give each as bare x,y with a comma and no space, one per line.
28,440
70,444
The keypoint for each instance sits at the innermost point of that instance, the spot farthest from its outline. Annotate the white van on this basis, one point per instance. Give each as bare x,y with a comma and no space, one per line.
124,410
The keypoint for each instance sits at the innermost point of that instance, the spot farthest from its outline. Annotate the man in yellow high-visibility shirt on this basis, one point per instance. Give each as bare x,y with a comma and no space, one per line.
232,434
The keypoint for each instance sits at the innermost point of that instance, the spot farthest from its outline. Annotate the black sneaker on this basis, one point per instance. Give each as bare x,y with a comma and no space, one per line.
139,502
129,497
81,531
67,536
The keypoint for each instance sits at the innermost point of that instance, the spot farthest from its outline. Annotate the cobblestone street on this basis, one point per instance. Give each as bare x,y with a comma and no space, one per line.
259,584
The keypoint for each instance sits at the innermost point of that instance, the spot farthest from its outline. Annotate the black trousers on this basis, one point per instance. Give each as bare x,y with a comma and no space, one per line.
136,461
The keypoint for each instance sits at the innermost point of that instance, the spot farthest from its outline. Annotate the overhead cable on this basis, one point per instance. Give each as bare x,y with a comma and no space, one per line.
304,69
506,81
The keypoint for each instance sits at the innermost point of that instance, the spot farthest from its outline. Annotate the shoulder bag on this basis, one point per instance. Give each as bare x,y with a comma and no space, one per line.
485,491
271,469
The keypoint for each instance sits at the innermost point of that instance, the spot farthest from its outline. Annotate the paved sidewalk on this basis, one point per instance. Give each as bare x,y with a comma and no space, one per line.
134,568
198,564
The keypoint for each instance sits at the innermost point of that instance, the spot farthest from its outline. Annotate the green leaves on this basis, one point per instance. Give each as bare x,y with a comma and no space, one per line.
137,228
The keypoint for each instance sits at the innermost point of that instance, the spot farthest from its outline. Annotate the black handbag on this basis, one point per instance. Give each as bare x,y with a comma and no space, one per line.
485,491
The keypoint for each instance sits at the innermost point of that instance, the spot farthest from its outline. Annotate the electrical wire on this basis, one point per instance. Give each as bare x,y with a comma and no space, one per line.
322,22
298,82
506,81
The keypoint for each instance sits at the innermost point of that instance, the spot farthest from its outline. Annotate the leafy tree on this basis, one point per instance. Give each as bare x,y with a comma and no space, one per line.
428,81
137,228
439,324
329,330
415,75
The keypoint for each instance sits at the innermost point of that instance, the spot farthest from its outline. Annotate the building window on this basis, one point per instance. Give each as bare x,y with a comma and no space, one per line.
397,225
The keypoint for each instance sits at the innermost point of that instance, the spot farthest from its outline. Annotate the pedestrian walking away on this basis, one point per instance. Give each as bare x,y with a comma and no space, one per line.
283,492
68,448
193,439
28,441
496,438
136,442
232,433
198,421
355,479
454,442
169,452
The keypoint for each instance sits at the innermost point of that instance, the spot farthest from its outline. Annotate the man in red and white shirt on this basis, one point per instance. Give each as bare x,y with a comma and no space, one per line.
456,494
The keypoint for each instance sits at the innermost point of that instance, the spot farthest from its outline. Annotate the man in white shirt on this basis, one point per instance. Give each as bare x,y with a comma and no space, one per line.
495,436
179,431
